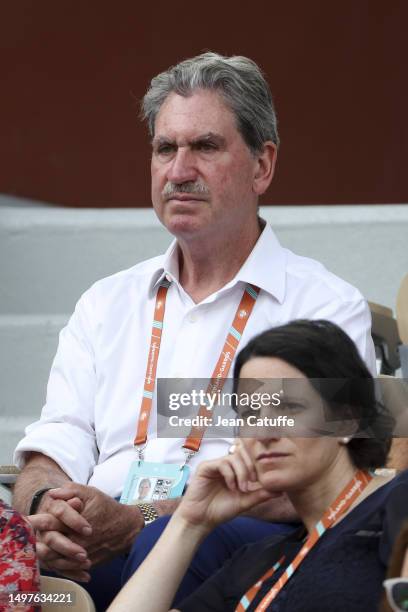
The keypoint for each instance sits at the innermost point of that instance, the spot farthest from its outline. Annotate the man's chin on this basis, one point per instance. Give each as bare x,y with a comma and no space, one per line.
184,225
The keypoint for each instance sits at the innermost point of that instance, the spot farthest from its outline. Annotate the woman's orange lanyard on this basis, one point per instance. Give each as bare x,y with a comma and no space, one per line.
343,502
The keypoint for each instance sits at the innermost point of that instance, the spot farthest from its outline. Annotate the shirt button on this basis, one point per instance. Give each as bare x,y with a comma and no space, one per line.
193,317
168,277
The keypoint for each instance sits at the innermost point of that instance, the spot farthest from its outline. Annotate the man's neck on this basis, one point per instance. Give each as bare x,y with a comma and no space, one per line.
209,263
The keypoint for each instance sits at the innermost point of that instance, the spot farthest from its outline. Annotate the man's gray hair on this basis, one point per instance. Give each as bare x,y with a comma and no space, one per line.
238,79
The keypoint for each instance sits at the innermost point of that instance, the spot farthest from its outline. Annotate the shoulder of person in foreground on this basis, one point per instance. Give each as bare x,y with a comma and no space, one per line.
395,511
18,561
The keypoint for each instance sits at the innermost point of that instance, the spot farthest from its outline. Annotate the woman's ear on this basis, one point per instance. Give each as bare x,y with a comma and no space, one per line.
265,168
348,426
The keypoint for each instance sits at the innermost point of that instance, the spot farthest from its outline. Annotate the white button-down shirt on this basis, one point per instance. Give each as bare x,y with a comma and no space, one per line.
96,382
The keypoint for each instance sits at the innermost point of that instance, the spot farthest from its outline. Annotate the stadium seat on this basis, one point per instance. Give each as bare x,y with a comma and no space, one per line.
386,339
51,586
402,322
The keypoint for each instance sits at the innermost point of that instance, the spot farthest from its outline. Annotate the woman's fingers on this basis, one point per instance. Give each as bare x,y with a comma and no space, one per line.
244,467
241,471
237,475
242,452
234,469
229,475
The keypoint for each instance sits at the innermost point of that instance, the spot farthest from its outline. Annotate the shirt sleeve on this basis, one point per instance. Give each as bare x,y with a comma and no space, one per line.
354,318
65,431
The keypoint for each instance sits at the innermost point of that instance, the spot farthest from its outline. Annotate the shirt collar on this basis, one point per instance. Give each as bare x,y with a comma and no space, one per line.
168,267
265,267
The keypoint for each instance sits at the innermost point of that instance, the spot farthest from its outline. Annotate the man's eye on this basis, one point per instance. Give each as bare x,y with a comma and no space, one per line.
165,149
206,146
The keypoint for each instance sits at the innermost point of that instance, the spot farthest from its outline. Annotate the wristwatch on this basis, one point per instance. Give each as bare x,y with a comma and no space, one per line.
36,498
148,511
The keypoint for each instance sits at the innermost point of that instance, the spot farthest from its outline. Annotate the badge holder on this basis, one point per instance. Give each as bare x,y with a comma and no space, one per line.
149,481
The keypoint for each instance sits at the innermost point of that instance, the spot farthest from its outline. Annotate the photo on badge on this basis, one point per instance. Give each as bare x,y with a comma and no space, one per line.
149,481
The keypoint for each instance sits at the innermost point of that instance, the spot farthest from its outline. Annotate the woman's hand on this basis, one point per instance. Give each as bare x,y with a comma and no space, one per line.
221,489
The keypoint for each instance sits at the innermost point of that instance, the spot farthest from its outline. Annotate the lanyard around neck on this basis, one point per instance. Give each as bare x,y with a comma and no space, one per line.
340,505
243,312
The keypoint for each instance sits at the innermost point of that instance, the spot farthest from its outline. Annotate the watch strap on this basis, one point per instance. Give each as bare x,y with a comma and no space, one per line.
36,498
148,511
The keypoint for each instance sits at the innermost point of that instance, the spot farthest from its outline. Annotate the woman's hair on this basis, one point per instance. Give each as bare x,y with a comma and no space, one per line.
321,350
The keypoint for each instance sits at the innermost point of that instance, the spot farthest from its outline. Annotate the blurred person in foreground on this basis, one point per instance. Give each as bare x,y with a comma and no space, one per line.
337,559
396,585
224,279
19,570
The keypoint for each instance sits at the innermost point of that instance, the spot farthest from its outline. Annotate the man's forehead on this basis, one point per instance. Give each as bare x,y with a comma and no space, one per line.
198,114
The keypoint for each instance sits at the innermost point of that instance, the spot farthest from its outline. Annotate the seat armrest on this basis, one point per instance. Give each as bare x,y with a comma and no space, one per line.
8,474
403,353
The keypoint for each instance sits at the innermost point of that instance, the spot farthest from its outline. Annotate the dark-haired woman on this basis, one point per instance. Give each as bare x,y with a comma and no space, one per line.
337,559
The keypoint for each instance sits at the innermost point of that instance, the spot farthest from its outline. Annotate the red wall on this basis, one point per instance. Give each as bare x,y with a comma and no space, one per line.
72,74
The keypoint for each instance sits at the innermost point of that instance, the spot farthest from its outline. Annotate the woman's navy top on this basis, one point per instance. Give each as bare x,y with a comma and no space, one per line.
342,573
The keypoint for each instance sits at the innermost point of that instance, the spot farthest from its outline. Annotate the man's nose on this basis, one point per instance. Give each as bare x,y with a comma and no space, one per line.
182,167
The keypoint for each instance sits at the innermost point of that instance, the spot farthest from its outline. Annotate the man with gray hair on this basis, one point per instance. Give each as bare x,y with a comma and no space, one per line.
224,279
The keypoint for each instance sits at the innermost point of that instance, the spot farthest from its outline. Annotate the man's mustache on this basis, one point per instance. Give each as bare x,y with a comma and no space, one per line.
190,187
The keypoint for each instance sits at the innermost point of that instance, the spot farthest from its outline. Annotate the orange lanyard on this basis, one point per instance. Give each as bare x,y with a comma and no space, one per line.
193,441
343,502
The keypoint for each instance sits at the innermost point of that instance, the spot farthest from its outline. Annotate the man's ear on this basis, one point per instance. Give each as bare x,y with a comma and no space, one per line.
265,168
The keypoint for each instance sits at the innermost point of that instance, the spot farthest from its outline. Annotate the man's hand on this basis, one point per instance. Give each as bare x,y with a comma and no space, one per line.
114,525
54,523
56,552
55,548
